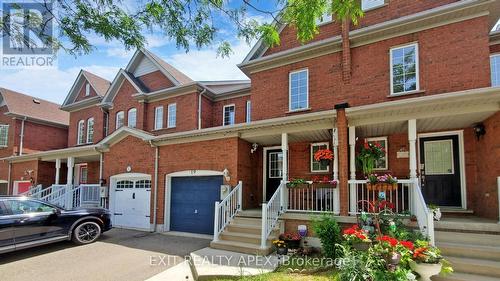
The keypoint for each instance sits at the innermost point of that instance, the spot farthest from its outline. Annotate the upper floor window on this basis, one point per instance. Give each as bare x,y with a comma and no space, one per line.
495,70
90,130
404,69
132,118
4,135
371,4
299,90
249,112
229,115
120,116
382,163
318,166
158,117
172,115
80,132
87,89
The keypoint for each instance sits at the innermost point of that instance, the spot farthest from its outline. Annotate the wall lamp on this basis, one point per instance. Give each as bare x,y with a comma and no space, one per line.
479,130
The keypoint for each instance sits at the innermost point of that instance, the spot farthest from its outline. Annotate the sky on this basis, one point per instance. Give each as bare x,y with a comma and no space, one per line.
108,57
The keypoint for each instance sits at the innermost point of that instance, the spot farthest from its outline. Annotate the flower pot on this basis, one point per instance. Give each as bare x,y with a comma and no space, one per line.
437,214
292,244
282,251
393,258
426,270
298,185
361,246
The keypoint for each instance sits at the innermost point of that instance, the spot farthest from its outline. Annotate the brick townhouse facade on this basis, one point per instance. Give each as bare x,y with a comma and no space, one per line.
420,77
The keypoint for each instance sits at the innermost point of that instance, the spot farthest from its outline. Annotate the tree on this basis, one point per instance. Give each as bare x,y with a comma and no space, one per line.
187,22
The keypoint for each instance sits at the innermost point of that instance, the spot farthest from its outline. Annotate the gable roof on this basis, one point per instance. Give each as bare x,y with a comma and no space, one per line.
99,84
122,75
22,105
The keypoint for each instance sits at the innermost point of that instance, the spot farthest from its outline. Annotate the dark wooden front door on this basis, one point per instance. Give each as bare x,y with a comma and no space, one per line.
274,171
440,170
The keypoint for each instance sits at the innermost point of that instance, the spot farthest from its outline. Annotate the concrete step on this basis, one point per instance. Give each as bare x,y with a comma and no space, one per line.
244,237
254,213
244,228
240,247
490,227
470,251
468,238
456,276
247,221
475,266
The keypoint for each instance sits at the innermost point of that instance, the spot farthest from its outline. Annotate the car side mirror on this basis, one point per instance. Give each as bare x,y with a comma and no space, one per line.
56,211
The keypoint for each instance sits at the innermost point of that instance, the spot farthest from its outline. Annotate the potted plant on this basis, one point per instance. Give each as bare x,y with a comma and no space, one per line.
357,237
281,248
368,155
324,156
297,183
324,182
392,250
291,239
427,261
385,182
436,211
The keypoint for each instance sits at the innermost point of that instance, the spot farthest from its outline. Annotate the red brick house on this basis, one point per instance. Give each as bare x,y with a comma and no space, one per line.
420,77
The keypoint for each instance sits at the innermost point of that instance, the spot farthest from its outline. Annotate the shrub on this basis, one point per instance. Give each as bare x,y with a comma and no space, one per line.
329,232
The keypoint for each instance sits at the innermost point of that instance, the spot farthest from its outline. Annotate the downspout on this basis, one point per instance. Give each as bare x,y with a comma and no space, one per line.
22,137
8,179
199,108
155,196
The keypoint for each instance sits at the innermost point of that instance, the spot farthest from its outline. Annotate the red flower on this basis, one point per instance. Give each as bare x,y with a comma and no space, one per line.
419,252
408,245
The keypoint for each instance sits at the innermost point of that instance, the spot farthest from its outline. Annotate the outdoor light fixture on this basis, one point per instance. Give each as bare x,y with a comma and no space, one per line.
225,173
254,147
479,130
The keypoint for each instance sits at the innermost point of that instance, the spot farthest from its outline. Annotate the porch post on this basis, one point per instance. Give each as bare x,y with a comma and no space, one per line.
71,165
343,161
352,152
69,184
335,144
58,167
101,156
412,139
284,149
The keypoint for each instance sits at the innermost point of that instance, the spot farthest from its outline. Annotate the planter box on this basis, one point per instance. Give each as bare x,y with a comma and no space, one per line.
382,186
298,186
323,185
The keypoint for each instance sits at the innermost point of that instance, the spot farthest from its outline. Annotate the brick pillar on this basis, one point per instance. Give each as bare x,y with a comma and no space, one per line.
343,161
346,51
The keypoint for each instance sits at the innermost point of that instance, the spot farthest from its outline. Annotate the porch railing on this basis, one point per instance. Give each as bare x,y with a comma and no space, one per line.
68,196
271,212
313,199
400,197
86,195
424,216
227,209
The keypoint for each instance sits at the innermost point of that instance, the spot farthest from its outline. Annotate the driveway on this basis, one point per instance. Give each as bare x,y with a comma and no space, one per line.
122,255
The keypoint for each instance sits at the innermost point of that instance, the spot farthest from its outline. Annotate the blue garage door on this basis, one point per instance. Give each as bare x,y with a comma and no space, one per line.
192,203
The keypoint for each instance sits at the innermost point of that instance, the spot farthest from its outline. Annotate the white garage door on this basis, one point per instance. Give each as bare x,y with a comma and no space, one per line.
131,202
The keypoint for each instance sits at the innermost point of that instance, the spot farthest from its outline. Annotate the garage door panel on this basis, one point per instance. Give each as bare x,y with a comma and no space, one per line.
132,203
192,203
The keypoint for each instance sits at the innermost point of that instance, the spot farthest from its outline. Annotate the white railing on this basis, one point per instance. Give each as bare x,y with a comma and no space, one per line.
271,212
86,195
227,209
313,199
68,196
425,217
400,197
32,190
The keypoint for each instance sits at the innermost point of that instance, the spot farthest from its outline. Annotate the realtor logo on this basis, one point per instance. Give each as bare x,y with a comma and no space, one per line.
27,33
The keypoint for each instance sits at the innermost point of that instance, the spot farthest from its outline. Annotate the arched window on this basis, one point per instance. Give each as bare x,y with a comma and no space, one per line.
87,89
120,115
132,118
80,137
90,130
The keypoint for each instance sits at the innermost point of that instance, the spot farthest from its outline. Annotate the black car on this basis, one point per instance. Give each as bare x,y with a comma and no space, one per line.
26,222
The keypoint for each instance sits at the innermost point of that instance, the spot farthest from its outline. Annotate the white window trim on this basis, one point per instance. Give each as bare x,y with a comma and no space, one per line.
157,118
224,114
91,119
248,115
7,140
386,151
128,117
374,7
417,69
79,133
87,89
290,90
312,156
116,119
168,115
491,67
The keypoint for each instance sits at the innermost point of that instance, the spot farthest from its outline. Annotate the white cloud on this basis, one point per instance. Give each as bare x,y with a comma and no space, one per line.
205,65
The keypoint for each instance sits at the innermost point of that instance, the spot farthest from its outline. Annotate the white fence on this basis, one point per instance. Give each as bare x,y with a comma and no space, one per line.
271,212
227,209
313,199
68,196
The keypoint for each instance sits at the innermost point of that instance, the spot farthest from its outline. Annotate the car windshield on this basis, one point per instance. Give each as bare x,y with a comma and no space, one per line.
27,207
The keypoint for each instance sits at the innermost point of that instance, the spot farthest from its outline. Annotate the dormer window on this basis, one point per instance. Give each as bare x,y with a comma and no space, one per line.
120,116
87,89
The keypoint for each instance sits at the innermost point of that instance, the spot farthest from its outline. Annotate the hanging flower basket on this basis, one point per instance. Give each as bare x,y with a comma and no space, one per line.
382,186
324,161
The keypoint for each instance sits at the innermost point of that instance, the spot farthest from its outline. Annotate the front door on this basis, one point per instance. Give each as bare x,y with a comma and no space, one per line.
440,170
274,171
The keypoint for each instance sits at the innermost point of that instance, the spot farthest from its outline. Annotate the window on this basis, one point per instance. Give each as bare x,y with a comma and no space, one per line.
84,172
119,119
382,163
4,135
80,132
19,207
404,69
90,130
143,184
87,89
172,115
275,164
299,90
317,166
495,70
132,118
249,111
228,117
439,157
158,117
371,4
124,184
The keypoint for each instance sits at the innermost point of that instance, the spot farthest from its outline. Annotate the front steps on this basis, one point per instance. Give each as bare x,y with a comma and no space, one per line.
242,235
474,256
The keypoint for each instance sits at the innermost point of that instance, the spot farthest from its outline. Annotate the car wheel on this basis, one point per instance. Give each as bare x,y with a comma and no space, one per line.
86,232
